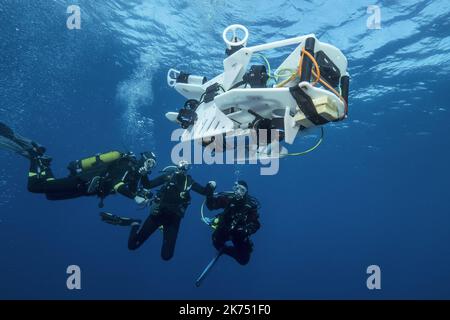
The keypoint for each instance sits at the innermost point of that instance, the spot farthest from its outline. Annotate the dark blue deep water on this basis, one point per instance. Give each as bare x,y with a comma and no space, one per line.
376,191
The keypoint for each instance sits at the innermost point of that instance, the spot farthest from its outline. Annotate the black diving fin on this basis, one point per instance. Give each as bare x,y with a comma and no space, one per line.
116,220
6,131
208,268
16,143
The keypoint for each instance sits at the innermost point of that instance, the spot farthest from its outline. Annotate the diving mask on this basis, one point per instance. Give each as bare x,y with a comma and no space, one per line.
239,191
183,165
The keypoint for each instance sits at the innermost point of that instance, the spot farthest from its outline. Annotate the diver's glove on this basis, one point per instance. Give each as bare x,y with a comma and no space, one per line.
143,172
210,188
144,193
143,197
140,201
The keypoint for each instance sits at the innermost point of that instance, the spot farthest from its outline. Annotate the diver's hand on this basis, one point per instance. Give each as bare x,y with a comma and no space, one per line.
143,197
210,187
212,184
144,193
142,171
140,200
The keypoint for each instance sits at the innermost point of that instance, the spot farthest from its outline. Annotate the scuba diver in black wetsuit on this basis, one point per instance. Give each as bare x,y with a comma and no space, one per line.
100,175
237,222
168,208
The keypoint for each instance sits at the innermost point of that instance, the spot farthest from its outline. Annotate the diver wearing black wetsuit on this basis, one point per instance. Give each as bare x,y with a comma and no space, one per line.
237,222
101,175
123,175
168,208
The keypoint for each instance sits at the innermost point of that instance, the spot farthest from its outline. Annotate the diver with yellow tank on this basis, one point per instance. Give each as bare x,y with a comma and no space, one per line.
100,175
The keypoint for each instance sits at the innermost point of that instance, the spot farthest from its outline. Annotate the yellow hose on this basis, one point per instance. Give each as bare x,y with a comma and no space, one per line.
319,142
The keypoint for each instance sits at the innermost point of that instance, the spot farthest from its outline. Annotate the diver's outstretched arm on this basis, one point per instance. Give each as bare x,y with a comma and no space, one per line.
122,188
214,202
140,233
158,181
145,182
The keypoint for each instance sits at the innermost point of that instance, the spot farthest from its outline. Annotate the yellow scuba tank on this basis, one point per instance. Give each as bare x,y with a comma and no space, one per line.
79,166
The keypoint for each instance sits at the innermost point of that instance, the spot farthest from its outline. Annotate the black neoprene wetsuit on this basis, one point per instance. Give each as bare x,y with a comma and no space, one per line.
119,176
236,223
167,210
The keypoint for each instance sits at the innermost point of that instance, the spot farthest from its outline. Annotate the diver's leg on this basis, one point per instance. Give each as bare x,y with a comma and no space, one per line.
63,196
139,235
42,180
70,186
170,234
38,176
219,238
240,251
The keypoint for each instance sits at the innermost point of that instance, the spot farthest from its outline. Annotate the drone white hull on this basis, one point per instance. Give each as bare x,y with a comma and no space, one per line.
293,104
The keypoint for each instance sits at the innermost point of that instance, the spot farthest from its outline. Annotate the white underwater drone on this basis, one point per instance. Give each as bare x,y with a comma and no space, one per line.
310,88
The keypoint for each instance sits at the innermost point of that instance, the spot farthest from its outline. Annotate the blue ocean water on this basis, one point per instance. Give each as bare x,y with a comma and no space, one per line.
375,193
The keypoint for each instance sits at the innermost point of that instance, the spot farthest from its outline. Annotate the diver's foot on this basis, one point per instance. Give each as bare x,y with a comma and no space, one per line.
46,159
37,152
118,221
40,150
44,162
94,185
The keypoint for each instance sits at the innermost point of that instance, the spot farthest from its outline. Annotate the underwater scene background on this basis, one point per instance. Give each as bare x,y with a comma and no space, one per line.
375,192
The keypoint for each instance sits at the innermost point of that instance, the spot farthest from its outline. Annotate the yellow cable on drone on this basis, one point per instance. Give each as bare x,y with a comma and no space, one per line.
319,142
302,153
266,62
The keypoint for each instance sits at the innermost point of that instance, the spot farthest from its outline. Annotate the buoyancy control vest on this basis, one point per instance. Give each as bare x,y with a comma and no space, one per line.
236,212
175,191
